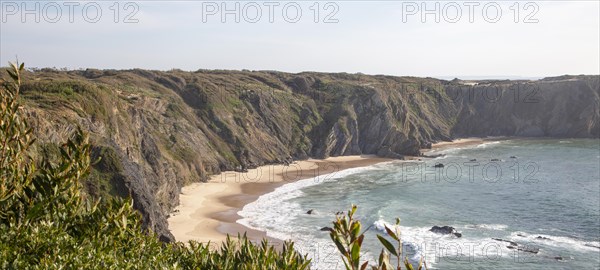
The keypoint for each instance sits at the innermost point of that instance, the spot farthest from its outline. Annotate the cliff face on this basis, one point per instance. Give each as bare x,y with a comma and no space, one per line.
157,131
553,107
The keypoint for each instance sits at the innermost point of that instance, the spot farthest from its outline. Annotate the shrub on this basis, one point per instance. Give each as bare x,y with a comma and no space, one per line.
347,236
46,223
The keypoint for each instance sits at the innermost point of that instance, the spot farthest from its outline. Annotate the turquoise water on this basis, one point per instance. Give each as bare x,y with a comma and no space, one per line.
546,197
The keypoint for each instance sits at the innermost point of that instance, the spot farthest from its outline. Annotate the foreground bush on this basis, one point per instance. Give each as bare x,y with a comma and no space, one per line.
45,222
348,236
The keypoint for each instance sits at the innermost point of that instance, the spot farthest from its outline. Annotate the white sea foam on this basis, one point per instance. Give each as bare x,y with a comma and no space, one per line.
494,227
486,144
556,241
448,152
274,213
419,242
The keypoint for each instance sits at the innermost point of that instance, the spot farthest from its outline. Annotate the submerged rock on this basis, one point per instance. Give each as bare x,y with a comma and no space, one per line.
512,243
515,245
533,250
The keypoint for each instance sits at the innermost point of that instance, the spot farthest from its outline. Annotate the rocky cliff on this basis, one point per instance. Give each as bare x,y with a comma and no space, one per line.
565,106
157,131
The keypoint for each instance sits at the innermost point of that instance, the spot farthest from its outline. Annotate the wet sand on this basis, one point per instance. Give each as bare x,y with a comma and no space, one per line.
208,211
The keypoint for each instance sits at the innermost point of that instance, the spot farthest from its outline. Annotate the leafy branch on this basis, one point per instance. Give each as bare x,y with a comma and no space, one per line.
348,238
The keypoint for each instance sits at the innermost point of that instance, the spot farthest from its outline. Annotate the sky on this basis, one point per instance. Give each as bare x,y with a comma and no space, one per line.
413,38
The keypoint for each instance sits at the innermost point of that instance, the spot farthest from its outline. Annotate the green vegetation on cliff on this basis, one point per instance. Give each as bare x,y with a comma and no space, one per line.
152,132
46,222
170,128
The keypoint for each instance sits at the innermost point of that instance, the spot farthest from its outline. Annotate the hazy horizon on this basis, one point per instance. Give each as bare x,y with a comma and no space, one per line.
440,77
536,40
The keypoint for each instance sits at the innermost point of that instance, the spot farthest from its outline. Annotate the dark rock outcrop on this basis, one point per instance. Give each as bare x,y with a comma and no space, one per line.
512,243
326,229
515,245
445,230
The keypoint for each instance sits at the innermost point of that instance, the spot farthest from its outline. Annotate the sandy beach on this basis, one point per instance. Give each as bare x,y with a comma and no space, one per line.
208,211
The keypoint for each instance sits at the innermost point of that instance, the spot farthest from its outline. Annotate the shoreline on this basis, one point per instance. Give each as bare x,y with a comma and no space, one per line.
207,212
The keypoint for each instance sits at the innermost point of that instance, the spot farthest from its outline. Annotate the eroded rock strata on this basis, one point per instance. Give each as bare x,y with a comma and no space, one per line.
157,131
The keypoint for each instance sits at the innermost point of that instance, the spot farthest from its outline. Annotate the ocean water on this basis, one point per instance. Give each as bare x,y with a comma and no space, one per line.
542,194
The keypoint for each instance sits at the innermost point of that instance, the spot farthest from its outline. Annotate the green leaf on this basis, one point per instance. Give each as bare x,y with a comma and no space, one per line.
124,220
391,233
338,243
355,229
13,75
355,254
346,264
407,264
387,245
